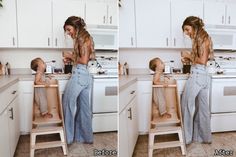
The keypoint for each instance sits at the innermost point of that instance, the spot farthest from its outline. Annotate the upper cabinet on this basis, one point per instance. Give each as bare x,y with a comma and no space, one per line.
127,33
62,9
34,23
153,23
8,28
178,15
219,12
102,13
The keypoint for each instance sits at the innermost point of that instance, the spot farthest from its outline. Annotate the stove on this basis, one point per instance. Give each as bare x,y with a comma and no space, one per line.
105,94
223,95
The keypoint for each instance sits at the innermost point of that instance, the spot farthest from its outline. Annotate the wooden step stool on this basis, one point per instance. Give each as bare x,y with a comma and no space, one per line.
46,126
164,126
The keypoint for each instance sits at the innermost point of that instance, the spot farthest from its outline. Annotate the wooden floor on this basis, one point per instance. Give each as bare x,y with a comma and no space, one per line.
225,141
107,141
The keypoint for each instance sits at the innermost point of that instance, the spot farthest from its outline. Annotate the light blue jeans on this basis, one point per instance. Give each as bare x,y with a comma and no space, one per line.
77,106
195,106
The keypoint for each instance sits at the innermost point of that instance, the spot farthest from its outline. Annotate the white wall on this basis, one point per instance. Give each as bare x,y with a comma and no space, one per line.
21,58
139,58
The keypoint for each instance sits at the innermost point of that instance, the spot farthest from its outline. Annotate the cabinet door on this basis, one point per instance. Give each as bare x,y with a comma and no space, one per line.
127,37
96,13
34,23
144,105
123,135
214,12
112,17
178,15
14,124
4,135
132,122
8,35
153,23
231,14
62,9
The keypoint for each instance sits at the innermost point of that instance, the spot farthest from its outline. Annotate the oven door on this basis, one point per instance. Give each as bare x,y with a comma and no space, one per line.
223,95
105,95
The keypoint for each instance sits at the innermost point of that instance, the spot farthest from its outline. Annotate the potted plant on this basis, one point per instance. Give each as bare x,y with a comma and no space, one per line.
0,3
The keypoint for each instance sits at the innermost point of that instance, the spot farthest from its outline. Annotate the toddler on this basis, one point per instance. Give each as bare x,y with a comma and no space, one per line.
157,66
39,66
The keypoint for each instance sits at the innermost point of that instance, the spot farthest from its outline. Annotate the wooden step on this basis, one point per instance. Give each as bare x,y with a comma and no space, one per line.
39,120
47,130
165,129
52,144
166,145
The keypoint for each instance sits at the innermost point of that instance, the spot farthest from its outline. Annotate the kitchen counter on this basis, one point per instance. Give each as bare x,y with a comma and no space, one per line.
8,80
126,80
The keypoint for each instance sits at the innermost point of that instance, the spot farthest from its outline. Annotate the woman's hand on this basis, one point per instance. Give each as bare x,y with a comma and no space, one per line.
185,54
67,56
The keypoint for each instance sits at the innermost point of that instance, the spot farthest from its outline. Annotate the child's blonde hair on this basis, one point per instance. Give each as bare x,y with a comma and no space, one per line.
34,63
152,63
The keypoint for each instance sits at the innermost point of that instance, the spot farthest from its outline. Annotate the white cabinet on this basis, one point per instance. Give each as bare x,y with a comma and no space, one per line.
127,33
128,120
14,124
9,121
4,136
178,15
34,23
144,105
26,102
8,33
219,12
62,9
101,13
153,23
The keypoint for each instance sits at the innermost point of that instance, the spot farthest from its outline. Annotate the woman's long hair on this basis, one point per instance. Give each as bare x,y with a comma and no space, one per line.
83,41
200,37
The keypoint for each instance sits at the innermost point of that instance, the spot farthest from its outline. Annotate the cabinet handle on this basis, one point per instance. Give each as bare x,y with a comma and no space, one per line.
104,19
174,42
167,43
12,116
110,19
56,42
13,41
229,20
48,41
132,41
14,92
222,19
132,92
130,113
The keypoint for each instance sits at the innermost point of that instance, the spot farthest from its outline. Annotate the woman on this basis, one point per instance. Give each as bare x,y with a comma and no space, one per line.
76,99
195,103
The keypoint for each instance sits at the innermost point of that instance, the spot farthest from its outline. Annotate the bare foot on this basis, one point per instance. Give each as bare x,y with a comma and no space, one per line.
166,115
47,115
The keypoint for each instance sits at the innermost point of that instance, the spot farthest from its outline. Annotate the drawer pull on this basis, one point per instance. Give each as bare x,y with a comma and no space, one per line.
132,92
14,92
12,116
130,113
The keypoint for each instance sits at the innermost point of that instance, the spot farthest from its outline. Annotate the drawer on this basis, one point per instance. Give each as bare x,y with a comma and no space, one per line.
8,95
223,122
26,86
127,95
105,122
